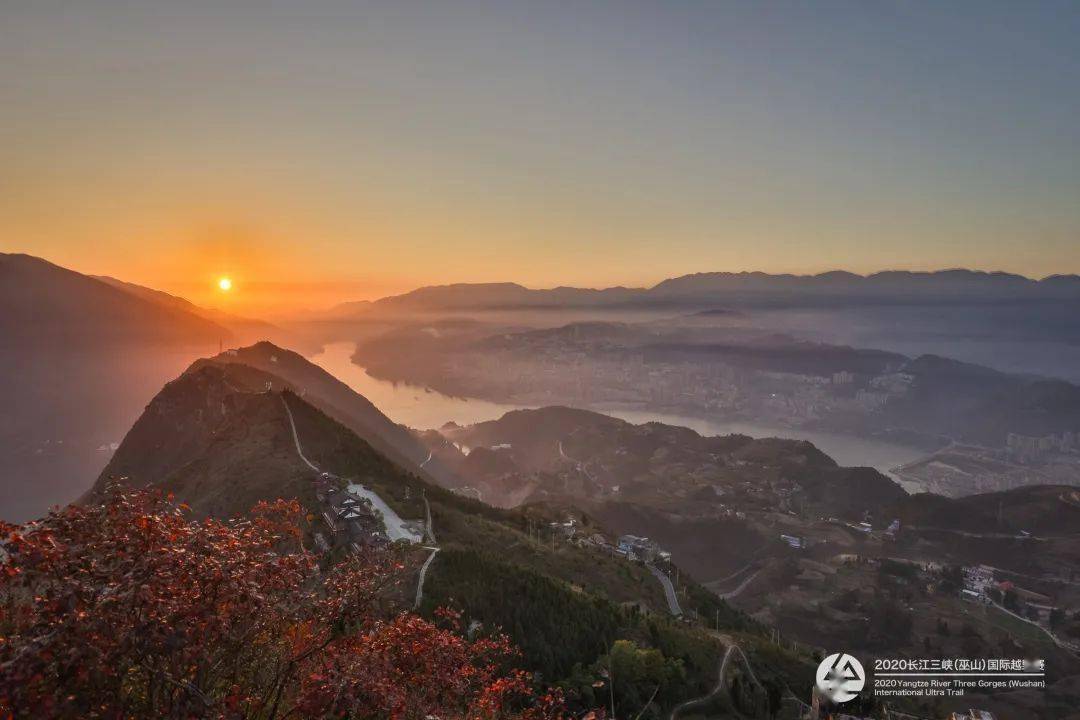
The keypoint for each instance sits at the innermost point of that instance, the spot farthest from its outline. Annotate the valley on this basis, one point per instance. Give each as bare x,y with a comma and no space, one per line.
721,371
518,360
423,407
728,493
239,434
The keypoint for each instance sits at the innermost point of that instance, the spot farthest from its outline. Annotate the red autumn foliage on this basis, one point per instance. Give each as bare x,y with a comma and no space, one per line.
131,610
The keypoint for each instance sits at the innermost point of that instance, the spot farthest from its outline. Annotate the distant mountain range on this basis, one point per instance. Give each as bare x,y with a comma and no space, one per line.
241,326
261,422
79,358
775,526
743,288
44,304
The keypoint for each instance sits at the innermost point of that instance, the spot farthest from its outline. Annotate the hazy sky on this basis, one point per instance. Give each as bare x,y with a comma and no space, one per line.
319,151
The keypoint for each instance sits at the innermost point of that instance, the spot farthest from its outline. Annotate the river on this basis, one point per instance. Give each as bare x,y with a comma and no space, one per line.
403,403
424,408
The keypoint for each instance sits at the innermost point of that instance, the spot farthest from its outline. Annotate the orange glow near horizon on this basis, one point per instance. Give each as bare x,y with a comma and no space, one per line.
171,159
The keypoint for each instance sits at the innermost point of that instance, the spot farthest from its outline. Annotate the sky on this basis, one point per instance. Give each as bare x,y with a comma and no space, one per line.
325,151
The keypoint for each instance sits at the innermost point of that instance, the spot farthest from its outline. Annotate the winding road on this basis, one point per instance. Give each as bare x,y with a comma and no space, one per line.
721,686
733,575
742,586
1063,644
296,437
423,576
429,528
669,589
427,508
990,535
582,468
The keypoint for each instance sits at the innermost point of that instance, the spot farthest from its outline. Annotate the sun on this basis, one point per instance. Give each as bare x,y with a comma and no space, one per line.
224,284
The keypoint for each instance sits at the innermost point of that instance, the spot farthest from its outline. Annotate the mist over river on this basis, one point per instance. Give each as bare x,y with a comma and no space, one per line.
423,408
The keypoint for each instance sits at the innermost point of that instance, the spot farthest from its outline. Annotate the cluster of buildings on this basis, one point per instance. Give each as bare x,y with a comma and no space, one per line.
468,491
978,582
794,542
844,377
870,400
567,528
1029,446
895,384
596,541
635,547
547,369
632,547
980,586
547,373
351,520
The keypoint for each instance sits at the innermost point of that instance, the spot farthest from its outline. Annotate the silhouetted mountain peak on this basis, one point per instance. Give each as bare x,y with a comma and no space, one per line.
342,403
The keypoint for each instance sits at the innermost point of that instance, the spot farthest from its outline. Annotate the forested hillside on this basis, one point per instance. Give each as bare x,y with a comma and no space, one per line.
220,441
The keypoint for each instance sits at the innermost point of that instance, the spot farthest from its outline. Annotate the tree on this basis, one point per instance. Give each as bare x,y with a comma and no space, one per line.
1011,600
890,623
129,609
847,601
952,579
640,677
774,693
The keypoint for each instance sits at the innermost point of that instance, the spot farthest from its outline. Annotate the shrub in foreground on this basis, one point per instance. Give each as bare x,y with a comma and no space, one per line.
130,609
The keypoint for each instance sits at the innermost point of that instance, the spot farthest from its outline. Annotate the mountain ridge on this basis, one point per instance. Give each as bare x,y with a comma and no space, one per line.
220,440
343,404
239,326
78,360
694,288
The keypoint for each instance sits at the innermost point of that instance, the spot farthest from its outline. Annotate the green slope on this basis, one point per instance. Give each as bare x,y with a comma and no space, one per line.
220,442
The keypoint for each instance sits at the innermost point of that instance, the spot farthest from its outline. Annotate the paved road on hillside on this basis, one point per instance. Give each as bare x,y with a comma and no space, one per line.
991,535
721,687
742,586
582,468
669,589
296,437
1064,644
429,455
429,527
430,531
733,575
716,692
1062,581
423,576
